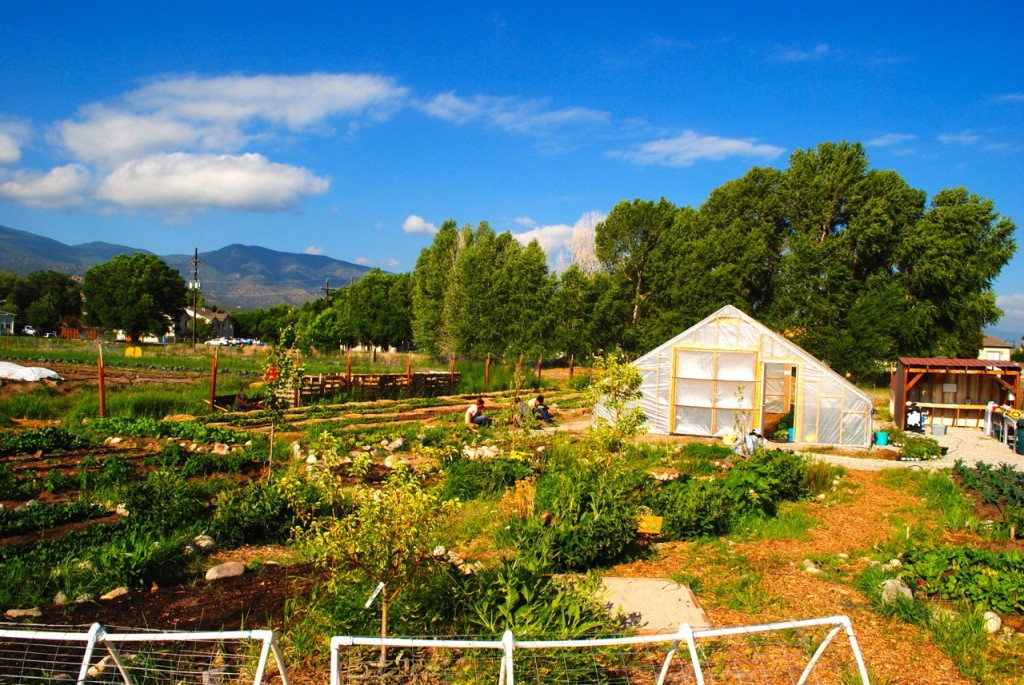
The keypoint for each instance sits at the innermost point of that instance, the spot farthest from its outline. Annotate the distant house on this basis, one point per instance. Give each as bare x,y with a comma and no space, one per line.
995,349
6,323
221,323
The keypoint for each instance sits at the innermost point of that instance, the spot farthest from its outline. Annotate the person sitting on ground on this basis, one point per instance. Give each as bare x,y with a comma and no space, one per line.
540,410
475,414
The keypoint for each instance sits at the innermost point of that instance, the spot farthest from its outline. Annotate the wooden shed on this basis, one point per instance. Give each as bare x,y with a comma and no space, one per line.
953,392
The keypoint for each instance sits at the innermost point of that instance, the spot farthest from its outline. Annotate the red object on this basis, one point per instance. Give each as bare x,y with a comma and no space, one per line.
271,375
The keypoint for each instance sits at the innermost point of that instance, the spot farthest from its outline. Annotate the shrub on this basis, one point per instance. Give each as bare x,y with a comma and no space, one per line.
918,448
467,479
255,514
691,509
590,508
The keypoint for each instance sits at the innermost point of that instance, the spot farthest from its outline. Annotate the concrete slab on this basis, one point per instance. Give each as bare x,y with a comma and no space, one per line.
653,605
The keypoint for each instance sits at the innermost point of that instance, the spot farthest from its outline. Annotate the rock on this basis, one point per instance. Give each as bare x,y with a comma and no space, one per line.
892,565
311,459
270,563
440,552
96,670
992,622
843,555
385,442
34,612
216,675
194,447
113,440
83,599
296,449
664,476
391,461
115,593
205,543
60,598
221,449
894,588
121,509
229,569
396,445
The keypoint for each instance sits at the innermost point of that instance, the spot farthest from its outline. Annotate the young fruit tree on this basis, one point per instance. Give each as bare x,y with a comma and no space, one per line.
387,534
617,389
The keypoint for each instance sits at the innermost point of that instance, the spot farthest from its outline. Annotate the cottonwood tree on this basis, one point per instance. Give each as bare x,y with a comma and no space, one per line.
137,294
626,239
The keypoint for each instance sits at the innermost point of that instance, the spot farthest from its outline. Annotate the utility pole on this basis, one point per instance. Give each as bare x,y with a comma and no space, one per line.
327,290
194,287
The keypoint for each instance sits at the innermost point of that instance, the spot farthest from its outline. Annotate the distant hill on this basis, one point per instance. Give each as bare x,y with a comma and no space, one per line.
236,276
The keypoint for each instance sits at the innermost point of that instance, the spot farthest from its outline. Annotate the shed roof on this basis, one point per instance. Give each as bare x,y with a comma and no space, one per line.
937,363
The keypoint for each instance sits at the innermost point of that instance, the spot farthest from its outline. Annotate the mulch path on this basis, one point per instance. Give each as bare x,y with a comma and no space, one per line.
895,652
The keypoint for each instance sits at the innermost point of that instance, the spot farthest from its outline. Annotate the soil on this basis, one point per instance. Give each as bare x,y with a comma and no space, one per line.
896,652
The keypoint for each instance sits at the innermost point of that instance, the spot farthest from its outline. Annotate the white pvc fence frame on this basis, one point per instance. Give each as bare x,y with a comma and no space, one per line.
98,635
508,644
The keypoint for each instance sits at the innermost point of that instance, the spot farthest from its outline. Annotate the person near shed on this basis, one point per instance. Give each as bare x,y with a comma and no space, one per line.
915,421
475,416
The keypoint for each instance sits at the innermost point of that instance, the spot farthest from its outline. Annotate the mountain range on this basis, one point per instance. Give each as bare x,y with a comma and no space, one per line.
234,277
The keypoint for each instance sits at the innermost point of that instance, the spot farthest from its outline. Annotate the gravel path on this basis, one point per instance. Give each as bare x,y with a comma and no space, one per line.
969,444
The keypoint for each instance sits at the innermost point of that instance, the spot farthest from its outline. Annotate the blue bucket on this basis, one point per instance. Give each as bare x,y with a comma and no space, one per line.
881,438
789,434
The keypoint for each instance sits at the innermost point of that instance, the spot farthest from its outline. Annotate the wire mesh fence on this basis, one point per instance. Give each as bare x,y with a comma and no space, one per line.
98,654
813,652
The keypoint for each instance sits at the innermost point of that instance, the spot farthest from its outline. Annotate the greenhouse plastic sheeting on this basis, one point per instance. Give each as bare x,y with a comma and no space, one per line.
730,369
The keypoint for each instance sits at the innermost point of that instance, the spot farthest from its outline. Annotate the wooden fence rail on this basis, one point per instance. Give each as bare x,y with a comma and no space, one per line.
371,385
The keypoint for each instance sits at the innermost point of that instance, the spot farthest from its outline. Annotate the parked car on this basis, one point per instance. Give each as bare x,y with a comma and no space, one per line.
218,341
51,334
28,330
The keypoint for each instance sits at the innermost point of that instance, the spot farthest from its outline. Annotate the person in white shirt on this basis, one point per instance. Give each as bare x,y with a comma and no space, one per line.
475,414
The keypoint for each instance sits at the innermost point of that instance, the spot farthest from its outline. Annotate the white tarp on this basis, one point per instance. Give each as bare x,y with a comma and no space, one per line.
16,372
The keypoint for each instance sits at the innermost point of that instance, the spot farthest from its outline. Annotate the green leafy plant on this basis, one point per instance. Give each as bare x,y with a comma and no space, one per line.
616,389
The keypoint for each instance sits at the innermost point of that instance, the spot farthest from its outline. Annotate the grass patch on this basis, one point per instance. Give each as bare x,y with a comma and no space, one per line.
791,522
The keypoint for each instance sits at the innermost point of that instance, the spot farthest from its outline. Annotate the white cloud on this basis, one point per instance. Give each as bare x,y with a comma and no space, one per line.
111,136
314,250
1008,97
221,114
183,181
551,238
819,51
1013,314
10,151
393,263
890,139
515,115
362,260
13,135
964,138
565,245
525,221
63,186
416,224
295,102
690,147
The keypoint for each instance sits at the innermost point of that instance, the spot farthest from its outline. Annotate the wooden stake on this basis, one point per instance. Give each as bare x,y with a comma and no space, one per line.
487,373
213,381
103,386
540,359
572,365
348,374
408,373
451,377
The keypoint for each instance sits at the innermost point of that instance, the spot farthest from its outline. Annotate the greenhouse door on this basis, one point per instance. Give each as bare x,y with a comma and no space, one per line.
779,383
712,391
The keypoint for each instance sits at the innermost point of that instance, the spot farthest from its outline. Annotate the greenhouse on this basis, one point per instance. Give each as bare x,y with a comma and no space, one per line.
731,374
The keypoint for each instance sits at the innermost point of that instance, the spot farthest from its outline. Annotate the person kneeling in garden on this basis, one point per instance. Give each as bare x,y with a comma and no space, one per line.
540,410
475,414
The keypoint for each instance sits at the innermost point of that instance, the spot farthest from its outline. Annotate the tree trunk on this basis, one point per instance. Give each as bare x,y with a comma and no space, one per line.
383,627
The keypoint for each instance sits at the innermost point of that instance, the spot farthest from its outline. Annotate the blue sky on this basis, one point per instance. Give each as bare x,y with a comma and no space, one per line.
354,131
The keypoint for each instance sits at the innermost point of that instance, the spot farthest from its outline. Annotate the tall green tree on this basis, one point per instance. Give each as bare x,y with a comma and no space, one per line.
137,294
946,268
626,239
429,284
